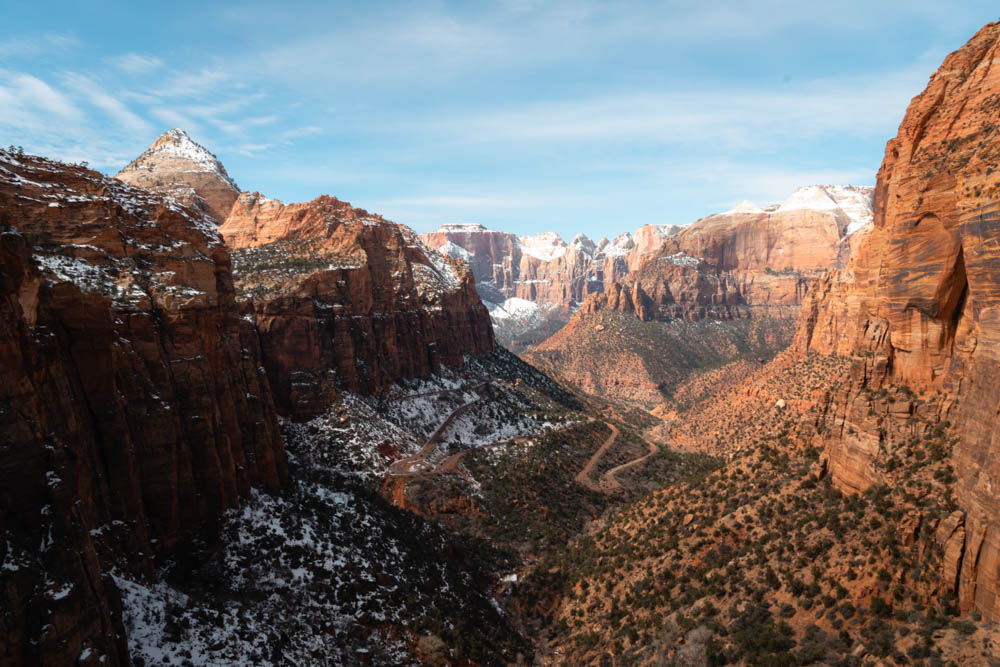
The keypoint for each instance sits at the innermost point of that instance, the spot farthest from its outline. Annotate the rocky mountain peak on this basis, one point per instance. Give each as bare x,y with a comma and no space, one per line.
177,166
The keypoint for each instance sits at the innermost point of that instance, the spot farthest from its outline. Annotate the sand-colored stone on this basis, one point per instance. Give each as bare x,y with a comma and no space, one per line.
178,167
920,303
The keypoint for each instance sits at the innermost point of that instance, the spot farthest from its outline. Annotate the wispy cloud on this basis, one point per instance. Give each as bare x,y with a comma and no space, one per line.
732,119
136,63
300,132
110,105
191,84
26,47
27,94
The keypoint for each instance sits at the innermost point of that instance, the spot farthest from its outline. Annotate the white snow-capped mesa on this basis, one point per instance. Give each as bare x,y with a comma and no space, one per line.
546,246
811,198
582,244
746,207
856,202
619,247
465,227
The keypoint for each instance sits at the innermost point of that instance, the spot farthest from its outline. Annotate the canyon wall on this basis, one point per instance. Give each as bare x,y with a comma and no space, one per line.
919,305
132,405
339,298
543,268
345,299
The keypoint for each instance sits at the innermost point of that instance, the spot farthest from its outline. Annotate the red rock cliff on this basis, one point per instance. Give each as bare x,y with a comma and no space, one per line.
920,303
345,299
543,268
132,407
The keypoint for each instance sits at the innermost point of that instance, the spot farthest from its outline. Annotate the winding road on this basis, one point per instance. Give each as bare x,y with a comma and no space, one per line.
608,484
405,466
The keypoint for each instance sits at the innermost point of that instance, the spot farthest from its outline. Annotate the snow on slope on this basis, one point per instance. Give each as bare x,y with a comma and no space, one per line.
546,246
619,247
176,143
854,202
746,206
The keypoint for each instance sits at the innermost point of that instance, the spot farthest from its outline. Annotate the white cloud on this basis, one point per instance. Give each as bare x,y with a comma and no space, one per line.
716,119
136,63
109,104
299,132
192,84
26,47
34,95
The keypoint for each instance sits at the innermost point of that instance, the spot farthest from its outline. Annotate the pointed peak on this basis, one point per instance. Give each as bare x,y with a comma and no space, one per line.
747,207
174,137
177,144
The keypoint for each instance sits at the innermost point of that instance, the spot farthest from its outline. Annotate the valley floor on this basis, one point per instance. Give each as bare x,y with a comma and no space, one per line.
489,517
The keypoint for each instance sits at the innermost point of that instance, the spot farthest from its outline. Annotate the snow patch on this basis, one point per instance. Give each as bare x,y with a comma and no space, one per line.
546,246
745,207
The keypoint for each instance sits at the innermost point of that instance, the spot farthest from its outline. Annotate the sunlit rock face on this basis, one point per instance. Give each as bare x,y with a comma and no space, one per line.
344,299
919,303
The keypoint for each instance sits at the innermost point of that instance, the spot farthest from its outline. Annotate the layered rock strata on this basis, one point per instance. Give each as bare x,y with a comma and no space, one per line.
176,166
344,299
919,305
133,407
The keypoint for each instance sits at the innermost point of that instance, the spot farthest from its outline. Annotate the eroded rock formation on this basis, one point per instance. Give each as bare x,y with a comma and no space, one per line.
175,165
132,404
919,305
345,299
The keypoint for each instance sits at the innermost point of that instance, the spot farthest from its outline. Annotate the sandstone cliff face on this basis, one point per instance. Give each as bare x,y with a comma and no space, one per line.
920,305
745,260
132,407
345,299
176,166
543,268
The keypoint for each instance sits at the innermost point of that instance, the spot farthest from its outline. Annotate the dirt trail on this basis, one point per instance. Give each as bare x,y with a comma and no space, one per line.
609,476
608,483
583,477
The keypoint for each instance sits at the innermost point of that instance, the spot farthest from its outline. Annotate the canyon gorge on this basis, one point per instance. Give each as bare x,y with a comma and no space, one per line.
242,431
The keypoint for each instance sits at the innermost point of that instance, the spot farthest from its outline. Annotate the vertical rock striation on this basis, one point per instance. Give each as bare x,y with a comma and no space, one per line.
919,305
132,405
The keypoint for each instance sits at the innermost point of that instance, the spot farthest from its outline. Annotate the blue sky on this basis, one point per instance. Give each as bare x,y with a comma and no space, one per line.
579,116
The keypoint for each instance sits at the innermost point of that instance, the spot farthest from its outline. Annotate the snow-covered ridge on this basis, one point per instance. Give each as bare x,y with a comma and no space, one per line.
854,202
463,227
619,247
455,251
175,144
746,206
513,308
546,246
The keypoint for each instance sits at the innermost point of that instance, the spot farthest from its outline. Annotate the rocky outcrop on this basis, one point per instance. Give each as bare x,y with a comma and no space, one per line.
721,266
746,260
919,305
543,268
343,299
746,264
176,166
132,407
